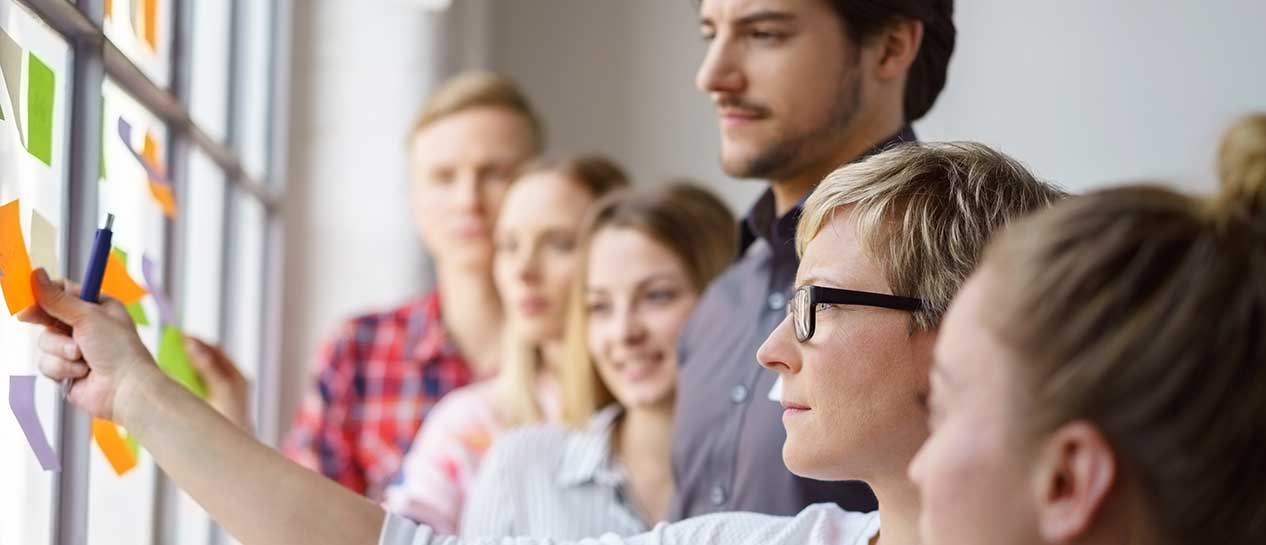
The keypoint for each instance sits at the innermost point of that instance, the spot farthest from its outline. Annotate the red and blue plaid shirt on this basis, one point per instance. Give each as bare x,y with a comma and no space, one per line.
377,379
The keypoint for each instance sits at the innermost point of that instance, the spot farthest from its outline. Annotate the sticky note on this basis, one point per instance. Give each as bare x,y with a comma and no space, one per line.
15,264
44,244
164,197
117,283
11,68
174,360
39,109
137,312
22,403
149,271
113,446
150,24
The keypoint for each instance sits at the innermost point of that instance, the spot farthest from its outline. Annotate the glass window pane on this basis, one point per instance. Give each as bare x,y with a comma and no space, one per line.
142,29
203,273
135,144
247,283
254,85
209,68
34,108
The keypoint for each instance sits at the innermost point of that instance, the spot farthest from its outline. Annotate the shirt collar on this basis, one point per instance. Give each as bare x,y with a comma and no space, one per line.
761,220
587,453
425,332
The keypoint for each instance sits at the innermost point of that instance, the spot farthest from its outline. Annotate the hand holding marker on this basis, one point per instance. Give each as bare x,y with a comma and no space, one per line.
91,291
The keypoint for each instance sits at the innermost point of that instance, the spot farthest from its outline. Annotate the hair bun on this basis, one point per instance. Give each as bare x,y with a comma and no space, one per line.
1242,168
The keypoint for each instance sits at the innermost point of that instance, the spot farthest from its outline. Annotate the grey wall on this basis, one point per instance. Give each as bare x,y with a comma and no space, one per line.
1085,91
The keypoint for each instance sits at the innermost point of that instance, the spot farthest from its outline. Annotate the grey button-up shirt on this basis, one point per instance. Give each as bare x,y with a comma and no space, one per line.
728,436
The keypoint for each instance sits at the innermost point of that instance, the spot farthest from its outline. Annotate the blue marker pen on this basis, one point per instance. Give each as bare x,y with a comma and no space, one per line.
91,290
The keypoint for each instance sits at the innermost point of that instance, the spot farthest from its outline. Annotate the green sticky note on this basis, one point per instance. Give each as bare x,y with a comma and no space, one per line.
137,312
39,109
174,360
133,445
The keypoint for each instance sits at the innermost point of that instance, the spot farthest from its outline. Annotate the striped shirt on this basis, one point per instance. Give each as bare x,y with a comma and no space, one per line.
549,481
819,524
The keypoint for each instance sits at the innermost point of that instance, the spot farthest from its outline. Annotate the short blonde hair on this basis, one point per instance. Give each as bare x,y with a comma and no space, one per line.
479,90
925,212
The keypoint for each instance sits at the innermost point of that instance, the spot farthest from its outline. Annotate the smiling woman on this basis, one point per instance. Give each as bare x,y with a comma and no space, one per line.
647,255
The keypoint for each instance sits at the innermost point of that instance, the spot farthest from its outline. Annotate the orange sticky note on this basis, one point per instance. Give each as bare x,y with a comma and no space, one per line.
15,264
118,284
166,201
113,446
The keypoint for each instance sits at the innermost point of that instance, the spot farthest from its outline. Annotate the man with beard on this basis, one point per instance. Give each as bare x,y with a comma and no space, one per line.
801,87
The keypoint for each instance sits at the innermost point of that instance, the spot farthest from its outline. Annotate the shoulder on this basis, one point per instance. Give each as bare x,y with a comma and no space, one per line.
817,523
471,403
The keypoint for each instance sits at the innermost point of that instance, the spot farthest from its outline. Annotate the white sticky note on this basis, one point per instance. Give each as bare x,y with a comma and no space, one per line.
44,245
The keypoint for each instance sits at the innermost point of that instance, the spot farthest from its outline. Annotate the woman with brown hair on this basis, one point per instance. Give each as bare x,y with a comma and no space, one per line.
535,257
1102,377
646,257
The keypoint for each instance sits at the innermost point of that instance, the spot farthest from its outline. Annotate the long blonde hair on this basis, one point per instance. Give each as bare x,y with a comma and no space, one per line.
686,219
517,383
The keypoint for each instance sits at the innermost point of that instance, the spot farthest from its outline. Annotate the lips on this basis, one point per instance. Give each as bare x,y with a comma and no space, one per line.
641,366
791,409
533,306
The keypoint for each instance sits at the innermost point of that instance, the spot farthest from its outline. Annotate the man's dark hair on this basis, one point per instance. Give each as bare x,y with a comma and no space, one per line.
864,18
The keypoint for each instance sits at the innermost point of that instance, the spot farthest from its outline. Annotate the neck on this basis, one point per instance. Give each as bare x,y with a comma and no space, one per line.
471,311
898,510
862,134
645,435
642,442
551,358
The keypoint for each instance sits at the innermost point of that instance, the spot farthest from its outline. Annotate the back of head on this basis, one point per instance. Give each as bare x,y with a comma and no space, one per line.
1143,311
479,90
926,212
863,18
689,221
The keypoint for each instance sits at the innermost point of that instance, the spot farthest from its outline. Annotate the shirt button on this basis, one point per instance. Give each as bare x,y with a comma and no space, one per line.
718,495
738,394
777,300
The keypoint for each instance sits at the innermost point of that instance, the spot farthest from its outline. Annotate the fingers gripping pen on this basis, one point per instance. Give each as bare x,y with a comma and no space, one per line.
91,291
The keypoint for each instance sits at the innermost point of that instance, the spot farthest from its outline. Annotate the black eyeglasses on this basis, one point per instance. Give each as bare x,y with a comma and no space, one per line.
804,305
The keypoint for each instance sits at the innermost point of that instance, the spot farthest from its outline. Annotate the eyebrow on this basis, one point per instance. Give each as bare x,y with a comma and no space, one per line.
762,16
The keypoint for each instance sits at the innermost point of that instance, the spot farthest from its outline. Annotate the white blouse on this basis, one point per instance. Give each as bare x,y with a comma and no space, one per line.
550,481
820,524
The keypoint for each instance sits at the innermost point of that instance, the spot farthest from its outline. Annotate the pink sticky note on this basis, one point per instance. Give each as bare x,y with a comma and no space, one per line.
22,402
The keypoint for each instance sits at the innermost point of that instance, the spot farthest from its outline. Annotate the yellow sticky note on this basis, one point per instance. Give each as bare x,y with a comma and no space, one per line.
113,446
118,284
15,264
44,244
164,197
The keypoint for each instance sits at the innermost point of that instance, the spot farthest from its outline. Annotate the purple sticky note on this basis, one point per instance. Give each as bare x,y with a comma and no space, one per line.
22,402
125,133
149,270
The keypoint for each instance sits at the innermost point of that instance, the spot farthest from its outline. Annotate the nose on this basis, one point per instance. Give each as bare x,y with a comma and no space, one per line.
466,192
780,352
630,327
719,73
527,266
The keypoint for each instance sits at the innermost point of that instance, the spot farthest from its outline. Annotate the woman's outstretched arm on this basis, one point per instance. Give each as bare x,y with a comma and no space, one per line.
260,497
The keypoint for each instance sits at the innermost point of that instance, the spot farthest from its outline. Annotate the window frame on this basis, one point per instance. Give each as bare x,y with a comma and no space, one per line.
94,59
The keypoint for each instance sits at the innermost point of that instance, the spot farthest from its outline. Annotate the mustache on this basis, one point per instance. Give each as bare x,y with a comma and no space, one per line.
733,102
